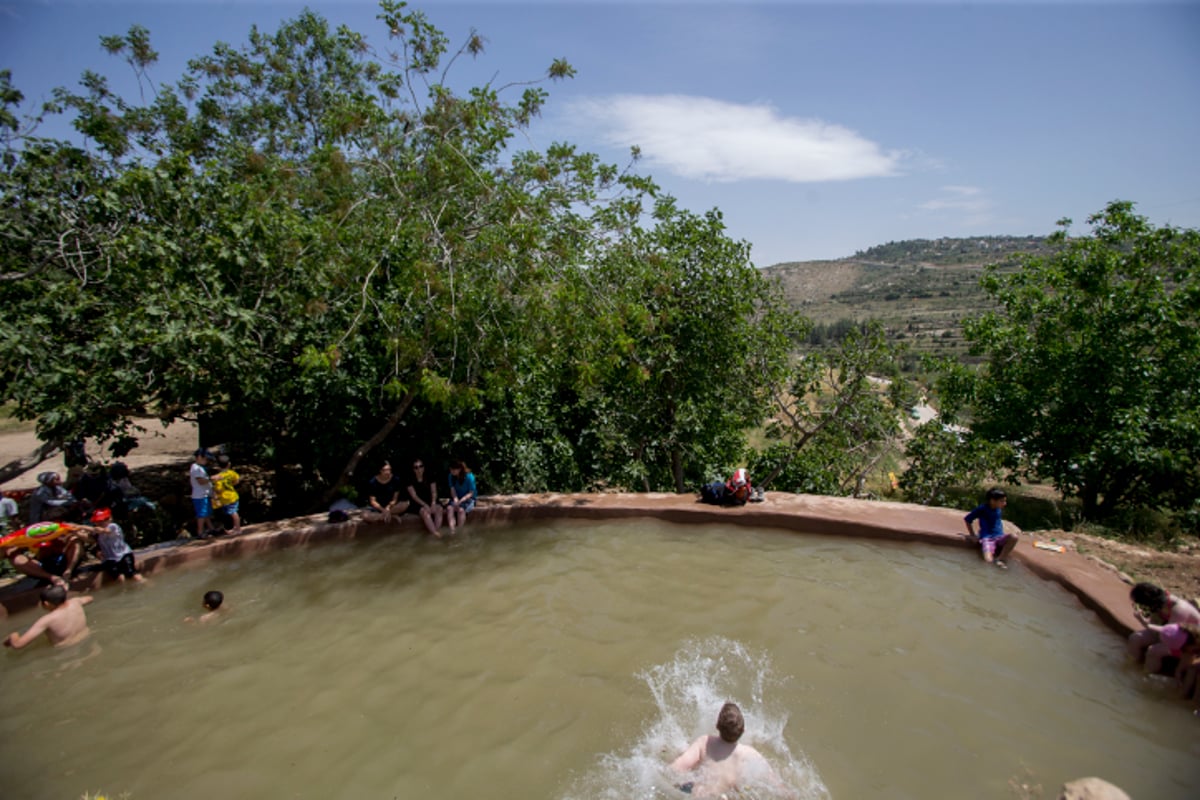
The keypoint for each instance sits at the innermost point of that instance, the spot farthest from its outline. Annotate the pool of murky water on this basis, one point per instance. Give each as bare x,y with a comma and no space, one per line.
574,660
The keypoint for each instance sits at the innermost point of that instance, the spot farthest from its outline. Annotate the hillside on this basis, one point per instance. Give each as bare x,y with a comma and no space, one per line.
920,289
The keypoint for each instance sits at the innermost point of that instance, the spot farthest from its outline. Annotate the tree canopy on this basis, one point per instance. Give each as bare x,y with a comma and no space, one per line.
1092,371
315,238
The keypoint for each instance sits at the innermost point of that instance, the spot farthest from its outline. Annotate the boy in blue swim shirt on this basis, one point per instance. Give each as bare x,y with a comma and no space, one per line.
994,543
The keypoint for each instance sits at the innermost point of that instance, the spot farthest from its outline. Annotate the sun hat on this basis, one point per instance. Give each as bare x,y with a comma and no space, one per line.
102,515
1173,637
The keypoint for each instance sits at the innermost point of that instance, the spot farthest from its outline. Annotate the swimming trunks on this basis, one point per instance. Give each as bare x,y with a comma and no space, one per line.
124,566
203,507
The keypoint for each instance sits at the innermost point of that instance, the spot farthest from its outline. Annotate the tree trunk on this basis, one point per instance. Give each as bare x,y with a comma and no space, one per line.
677,470
370,444
1091,502
19,466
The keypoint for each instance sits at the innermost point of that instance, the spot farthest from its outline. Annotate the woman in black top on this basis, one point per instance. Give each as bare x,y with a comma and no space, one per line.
383,494
422,495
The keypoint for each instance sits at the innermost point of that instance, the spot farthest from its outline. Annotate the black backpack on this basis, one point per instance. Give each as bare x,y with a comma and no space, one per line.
713,493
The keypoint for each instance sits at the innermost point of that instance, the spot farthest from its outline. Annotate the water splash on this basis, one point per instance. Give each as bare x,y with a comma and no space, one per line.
687,693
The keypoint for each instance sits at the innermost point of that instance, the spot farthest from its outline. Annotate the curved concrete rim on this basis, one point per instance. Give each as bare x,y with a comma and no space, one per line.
1098,587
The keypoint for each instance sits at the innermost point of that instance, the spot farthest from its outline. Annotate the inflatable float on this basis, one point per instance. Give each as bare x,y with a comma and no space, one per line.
36,534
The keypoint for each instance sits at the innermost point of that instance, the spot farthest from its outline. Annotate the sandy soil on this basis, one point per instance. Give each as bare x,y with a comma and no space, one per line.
159,445
1178,571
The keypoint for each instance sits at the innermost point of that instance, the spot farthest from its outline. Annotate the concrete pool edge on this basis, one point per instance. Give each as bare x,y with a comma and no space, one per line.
1098,587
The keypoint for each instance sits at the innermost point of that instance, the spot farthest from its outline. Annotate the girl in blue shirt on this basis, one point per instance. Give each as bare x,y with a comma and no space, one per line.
462,494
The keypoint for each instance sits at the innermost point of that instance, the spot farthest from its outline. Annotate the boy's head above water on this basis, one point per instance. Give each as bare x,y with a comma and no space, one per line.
213,600
730,723
53,596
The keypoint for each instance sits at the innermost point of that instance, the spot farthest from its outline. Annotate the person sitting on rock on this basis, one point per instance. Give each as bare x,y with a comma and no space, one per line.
1156,608
133,498
50,501
423,500
51,562
738,488
383,495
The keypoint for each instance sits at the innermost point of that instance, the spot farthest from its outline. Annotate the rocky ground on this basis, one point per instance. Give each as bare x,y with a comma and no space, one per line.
1177,570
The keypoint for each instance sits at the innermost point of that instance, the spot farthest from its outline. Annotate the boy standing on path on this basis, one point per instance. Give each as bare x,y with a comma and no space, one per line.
994,543
201,493
64,623
225,497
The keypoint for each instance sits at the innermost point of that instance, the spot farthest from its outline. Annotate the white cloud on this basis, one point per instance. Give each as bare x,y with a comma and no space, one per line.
969,201
706,139
958,198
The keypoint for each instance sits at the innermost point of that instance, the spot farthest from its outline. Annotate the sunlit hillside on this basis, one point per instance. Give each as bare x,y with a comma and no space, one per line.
921,289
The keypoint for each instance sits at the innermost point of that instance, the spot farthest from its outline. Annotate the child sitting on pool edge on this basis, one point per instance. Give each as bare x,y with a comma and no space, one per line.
212,605
994,543
116,555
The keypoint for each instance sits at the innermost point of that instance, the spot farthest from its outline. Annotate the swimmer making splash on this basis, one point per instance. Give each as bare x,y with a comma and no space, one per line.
723,765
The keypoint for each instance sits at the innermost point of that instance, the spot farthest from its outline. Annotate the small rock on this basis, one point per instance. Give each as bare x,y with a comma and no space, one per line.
1091,789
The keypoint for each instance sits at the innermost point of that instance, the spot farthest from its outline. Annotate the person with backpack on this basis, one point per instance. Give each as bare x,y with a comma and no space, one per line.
734,492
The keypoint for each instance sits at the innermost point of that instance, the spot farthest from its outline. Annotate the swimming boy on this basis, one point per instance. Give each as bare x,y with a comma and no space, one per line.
64,623
722,764
212,604
994,543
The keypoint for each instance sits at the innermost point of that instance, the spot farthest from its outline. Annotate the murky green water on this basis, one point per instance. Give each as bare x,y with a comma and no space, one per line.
574,660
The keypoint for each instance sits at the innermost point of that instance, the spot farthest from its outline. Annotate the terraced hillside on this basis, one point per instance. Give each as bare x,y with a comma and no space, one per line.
920,289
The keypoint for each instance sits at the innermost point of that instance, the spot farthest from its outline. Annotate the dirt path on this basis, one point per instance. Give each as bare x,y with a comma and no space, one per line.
158,445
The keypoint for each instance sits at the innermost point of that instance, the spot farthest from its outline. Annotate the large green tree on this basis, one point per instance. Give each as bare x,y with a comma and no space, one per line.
314,236
837,416
1092,369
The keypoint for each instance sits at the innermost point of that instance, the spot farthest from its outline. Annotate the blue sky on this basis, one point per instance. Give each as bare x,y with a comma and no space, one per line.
818,129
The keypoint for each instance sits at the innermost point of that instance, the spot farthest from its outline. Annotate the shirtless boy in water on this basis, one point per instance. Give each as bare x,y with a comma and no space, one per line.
64,624
722,765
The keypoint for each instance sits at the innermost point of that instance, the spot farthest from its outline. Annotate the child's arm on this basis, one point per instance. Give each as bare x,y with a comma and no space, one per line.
92,532
969,519
690,758
18,640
